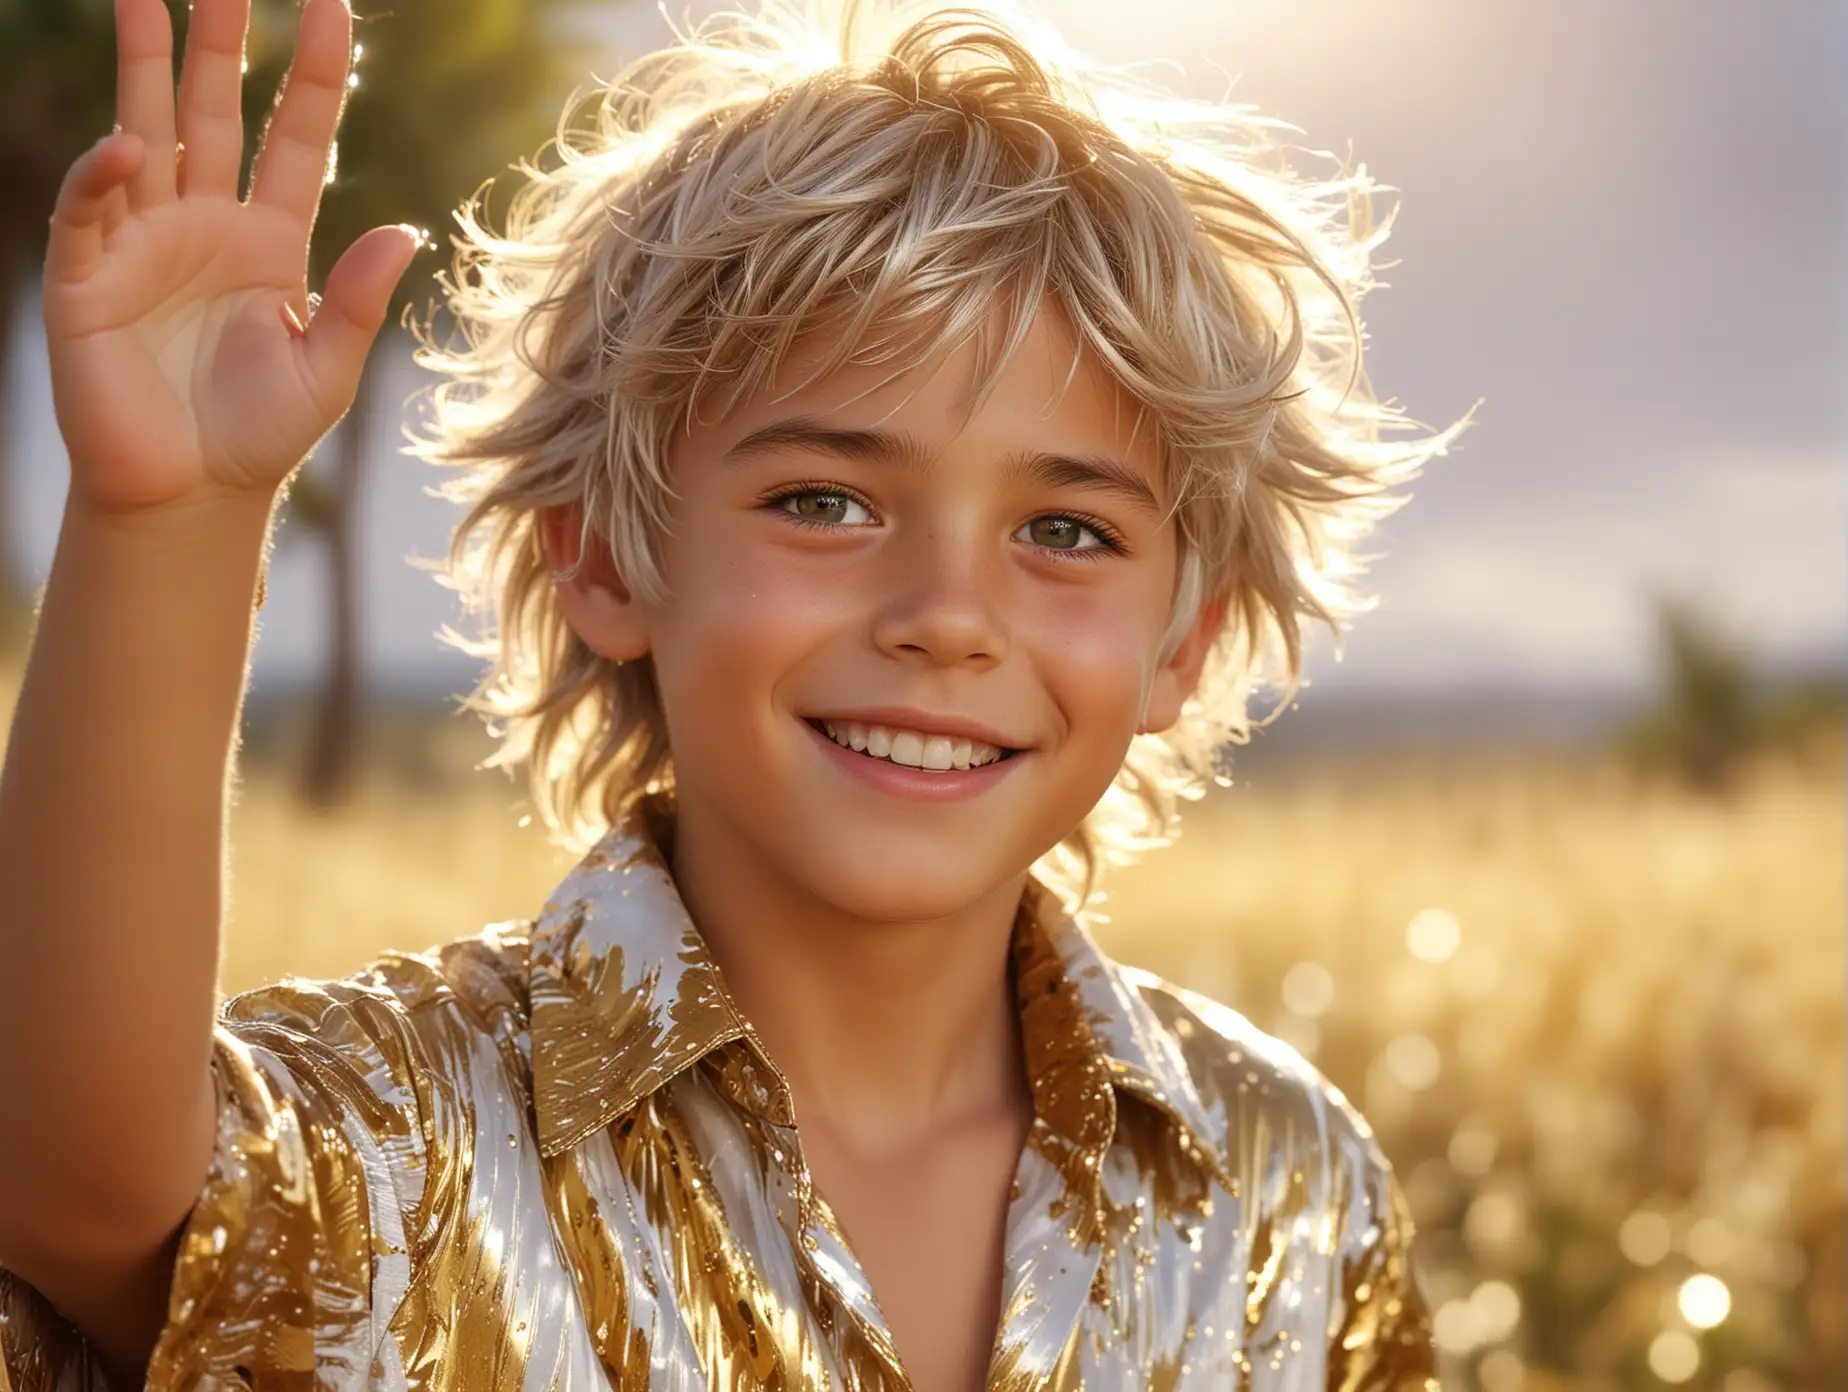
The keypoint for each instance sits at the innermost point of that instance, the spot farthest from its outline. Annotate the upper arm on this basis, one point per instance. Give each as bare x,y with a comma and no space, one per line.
101,1315
108,1277
295,1247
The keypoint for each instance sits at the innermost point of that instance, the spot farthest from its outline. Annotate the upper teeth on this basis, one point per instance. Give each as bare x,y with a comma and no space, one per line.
911,747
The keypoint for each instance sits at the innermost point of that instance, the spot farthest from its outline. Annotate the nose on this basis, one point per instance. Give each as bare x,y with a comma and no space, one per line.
943,608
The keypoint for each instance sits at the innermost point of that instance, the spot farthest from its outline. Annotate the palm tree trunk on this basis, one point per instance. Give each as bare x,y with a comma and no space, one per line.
332,765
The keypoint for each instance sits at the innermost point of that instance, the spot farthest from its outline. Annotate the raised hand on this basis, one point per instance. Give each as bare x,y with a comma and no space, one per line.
184,357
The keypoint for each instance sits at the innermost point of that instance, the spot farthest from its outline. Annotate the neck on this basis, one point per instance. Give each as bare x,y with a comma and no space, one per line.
887,1032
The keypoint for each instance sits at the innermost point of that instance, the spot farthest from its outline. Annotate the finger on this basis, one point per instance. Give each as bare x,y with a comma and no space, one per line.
144,94
359,292
86,210
115,210
211,117
292,168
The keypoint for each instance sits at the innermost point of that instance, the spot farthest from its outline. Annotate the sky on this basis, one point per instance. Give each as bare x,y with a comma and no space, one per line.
1621,228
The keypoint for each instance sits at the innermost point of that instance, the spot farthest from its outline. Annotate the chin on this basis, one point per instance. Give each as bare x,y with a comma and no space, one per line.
901,878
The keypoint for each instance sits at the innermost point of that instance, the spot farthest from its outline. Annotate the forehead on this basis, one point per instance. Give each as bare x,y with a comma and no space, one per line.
1051,393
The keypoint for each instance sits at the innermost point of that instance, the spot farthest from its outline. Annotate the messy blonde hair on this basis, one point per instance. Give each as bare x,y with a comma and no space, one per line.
895,177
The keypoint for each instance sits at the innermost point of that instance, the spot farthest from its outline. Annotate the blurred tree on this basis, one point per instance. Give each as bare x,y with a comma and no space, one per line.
1712,710
1708,715
57,96
446,93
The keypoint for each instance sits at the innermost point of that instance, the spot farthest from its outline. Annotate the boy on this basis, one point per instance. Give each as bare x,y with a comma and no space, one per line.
886,473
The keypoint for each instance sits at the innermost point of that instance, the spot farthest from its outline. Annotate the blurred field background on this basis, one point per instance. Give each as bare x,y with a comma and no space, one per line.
1547,874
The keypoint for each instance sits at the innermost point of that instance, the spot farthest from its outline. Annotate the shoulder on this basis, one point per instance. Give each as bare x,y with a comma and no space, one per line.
349,1113
1265,1095
1293,1153
426,1036
478,982
1295,1149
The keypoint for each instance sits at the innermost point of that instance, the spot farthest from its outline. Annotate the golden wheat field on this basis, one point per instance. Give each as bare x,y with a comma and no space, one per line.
1596,1020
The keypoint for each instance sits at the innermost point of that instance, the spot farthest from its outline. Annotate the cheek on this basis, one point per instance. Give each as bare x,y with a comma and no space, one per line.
1096,649
739,616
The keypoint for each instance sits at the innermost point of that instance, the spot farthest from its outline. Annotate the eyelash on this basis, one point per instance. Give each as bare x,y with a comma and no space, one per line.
1111,539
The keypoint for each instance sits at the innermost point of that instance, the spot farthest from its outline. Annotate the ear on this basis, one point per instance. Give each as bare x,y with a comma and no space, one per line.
596,603
1180,674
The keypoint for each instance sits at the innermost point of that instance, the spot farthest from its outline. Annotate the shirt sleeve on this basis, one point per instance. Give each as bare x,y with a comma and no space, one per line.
295,1255
1380,1333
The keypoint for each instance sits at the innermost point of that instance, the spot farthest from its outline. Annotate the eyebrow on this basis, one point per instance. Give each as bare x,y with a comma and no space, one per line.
1098,473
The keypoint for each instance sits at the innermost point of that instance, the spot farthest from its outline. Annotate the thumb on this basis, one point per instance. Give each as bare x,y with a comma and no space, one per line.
352,311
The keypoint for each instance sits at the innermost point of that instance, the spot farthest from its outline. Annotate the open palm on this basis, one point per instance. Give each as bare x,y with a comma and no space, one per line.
184,356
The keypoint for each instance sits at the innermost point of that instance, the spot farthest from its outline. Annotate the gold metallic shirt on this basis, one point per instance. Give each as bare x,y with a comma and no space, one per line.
555,1156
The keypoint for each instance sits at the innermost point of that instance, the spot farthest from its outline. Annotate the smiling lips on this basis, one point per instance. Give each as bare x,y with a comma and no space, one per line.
913,748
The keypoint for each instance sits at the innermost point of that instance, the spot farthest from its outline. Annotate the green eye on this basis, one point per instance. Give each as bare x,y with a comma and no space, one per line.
827,509
821,507
1057,533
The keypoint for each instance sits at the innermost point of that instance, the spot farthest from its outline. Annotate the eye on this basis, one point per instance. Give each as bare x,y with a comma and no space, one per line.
1060,532
823,507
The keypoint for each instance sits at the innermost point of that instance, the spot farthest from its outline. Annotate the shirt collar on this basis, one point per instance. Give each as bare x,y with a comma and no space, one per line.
625,996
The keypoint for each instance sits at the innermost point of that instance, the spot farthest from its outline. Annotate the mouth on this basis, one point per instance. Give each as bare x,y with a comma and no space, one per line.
911,748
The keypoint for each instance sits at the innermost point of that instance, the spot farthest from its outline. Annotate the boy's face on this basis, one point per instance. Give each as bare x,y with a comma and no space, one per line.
842,556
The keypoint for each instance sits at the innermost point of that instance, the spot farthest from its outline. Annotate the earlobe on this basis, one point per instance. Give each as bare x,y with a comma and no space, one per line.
589,589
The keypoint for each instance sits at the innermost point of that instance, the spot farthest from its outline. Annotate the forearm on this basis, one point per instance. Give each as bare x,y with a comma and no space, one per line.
112,807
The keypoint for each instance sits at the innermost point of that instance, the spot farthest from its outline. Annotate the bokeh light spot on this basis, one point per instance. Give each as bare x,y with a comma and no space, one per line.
1414,1062
1454,1326
1308,990
1674,1356
1498,1310
1495,1224
1488,1316
1472,1147
1433,935
1645,1237
1704,1300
